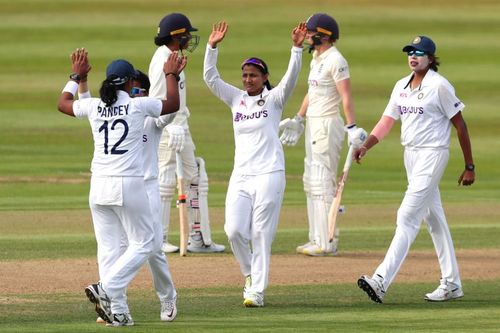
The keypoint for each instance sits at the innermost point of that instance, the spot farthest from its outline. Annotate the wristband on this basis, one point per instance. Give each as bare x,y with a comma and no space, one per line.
352,126
177,77
71,87
470,167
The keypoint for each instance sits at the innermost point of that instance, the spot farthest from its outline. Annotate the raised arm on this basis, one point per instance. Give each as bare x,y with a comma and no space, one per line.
81,67
171,68
218,33
289,80
211,76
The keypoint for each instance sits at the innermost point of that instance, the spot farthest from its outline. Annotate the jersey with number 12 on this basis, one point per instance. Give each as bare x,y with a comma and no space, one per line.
117,131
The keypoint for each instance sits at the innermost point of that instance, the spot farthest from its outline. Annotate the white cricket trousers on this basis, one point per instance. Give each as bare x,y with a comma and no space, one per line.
253,205
134,218
422,201
158,264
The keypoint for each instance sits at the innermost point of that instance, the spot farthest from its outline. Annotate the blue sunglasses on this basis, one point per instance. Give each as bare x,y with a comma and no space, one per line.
416,53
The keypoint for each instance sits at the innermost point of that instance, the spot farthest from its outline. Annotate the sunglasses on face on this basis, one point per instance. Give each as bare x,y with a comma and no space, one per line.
416,53
137,91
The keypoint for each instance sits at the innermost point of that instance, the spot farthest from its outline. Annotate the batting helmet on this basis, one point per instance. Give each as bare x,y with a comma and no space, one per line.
172,25
325,24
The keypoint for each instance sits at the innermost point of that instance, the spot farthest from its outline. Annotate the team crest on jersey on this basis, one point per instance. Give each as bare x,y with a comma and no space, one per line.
420,96
260,102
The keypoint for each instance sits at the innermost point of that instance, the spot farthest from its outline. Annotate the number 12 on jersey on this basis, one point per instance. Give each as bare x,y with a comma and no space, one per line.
114,126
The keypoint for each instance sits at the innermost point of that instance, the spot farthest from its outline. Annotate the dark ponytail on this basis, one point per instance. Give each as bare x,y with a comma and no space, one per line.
108,91
435,62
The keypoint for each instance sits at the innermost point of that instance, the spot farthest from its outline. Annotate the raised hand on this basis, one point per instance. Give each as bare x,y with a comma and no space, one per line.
80,62
299,34
218,33
174,63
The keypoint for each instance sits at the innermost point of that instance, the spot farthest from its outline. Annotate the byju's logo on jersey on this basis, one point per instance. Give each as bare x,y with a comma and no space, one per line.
256,115
312,83
410,109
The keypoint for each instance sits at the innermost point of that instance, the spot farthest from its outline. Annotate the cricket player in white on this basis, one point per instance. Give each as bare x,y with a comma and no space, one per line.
118,197
158,264
329,86
426,104
255,191
174,34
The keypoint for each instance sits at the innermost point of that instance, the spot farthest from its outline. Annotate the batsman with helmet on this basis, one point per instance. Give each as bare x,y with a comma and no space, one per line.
174,34
329,86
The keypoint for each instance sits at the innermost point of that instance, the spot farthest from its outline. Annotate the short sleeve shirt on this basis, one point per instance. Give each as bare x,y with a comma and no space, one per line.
425,112
325,71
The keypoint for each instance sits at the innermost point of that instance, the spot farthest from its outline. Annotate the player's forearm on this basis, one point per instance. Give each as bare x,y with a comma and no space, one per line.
464,140
172,102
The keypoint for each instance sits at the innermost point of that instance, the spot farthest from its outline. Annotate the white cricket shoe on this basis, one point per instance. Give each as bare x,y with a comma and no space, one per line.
254,300
445,292
96,294
316,251
168,309
248,285
169,248
372,287
197,246
121,319
300,249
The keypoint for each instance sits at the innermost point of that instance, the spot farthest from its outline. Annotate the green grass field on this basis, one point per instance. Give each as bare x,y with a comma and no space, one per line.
45,156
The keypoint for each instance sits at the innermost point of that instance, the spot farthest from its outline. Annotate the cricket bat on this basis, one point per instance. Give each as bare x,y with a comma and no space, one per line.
181,204
334,208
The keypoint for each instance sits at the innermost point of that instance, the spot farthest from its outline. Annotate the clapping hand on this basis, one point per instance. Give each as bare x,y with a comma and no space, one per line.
174,63
80,62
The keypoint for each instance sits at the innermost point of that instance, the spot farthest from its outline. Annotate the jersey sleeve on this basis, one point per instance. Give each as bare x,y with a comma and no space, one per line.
217,86
149,105
82,107
392,109
285,87
340,71
450,104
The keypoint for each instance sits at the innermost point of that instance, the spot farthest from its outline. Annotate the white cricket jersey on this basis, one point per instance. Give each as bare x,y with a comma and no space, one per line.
325,71
425,112
151,139
158,81
258,149
117,132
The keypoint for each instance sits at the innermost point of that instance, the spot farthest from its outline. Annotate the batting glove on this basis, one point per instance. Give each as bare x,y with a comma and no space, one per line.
292,130
176,137
356,136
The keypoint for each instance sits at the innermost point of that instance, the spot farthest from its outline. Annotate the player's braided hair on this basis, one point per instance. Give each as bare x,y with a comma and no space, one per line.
108,91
